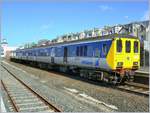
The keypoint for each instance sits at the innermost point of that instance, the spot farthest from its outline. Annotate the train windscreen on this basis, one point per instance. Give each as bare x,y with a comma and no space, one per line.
119,45
135,46
128,46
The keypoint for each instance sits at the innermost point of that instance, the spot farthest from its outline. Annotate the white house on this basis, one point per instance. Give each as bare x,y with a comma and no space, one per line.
5,48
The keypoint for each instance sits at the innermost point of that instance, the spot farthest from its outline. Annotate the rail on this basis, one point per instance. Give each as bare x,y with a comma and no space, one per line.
136,88
29,97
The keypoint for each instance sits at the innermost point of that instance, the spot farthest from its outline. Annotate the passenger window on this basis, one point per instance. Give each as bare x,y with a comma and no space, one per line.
49,51
119,45
104,49
81,51
85,50
34,53
77,51
128,46
135,46
90,51
97,52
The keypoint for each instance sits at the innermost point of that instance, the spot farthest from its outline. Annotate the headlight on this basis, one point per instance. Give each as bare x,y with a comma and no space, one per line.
120,64
135,63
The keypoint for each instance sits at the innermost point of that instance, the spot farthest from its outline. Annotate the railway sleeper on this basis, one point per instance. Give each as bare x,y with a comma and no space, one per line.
30,103
24,97
27,100
38,108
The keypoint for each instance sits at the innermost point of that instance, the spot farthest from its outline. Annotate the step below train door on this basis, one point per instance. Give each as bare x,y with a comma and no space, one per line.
65,54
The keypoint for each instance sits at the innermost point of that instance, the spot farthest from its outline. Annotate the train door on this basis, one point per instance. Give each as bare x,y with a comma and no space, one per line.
128,54
119,56
52,55
65,54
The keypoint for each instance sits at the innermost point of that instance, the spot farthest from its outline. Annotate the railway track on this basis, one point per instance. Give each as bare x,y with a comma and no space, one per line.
136,88
23,98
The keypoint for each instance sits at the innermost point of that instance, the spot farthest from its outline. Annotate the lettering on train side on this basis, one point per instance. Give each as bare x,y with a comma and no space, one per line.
86,62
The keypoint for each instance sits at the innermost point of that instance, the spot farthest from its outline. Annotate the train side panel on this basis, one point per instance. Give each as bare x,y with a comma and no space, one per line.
94,56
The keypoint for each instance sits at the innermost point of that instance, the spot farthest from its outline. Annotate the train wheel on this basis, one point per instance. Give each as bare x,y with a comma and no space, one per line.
117,79
131,78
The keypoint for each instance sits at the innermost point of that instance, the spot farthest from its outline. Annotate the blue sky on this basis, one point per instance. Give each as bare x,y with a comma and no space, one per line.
24,22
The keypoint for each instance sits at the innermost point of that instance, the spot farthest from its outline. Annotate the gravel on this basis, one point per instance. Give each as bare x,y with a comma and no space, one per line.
52,86
56,97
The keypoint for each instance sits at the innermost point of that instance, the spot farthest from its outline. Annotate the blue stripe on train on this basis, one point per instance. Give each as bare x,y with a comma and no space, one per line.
94,49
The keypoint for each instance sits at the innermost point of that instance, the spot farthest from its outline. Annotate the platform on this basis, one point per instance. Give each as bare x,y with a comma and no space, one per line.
3,109
143,70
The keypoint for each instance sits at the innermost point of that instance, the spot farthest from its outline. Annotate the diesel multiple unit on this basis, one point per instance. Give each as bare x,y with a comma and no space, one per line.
118,56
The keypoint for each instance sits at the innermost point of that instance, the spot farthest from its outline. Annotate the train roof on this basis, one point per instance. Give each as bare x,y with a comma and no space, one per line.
112,36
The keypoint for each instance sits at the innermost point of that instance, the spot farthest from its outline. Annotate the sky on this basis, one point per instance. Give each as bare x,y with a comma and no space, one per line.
29,21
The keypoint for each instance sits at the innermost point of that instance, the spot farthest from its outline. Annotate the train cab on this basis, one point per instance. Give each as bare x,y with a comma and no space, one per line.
124,54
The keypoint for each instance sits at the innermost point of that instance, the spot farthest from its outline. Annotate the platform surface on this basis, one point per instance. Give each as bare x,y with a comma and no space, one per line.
3,109
144,70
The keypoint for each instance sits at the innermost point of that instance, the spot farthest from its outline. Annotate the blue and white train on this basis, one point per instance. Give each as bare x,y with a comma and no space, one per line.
116,55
